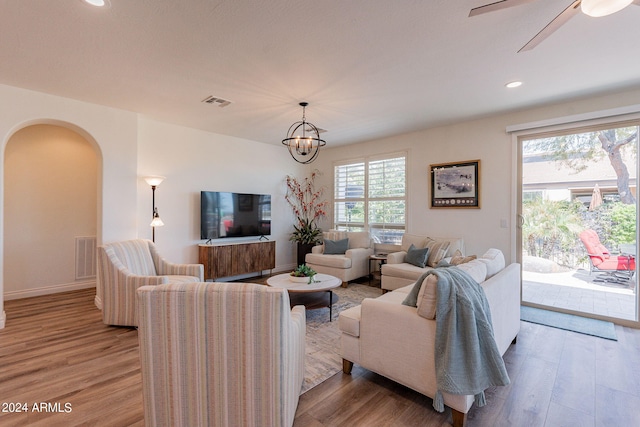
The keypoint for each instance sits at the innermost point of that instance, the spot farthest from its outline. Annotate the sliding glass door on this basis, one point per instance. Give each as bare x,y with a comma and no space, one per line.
579,216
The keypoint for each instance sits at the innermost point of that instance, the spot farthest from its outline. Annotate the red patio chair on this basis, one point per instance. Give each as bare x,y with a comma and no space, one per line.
613,268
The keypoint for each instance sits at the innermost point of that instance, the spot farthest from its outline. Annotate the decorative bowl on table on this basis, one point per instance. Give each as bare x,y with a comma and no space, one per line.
302,274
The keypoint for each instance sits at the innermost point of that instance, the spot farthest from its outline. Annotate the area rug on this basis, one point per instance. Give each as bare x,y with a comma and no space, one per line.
569,322
323,337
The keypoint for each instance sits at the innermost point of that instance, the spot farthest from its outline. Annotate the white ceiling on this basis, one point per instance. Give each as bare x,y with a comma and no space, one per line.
368,68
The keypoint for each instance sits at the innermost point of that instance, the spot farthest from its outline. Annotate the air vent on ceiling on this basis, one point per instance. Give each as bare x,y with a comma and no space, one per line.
216,101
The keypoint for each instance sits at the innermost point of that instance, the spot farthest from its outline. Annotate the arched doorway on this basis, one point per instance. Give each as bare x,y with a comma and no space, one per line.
50,200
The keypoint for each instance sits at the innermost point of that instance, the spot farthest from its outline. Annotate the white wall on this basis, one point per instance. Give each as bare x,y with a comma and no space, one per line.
193,161
49,199
485,139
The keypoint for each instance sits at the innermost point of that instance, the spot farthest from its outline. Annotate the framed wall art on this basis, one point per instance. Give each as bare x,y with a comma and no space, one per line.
455,185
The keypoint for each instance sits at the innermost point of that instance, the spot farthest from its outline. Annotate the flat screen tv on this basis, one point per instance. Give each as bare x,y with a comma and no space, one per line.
224,214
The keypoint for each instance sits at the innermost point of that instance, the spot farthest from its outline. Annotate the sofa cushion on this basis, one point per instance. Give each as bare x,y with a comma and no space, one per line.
427,295
336,261
405,289
335,247
494,260
417,256
403,271
476,269
437,251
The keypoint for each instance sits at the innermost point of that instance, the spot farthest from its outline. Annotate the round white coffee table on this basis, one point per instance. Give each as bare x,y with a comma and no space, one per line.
312,295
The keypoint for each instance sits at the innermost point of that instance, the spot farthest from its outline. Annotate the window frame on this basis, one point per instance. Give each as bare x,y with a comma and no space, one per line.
365,199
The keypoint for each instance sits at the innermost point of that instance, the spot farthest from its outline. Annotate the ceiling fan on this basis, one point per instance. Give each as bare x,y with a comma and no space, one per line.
595,8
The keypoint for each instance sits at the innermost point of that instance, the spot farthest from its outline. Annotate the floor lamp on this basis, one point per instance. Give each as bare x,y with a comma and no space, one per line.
154,181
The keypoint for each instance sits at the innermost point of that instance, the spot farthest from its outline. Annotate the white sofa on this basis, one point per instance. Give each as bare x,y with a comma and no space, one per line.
351,264
398,341
396,273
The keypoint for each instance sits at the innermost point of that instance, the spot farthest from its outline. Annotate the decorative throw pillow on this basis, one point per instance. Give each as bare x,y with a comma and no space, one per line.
335,247
494,259
417,257
428,297
412,297
476,269
444,263
459,259
437,250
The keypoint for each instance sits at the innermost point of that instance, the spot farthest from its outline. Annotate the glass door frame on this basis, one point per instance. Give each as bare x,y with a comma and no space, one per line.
538,130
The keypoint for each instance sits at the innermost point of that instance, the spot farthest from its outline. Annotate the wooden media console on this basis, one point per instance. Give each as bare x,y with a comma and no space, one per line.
236,258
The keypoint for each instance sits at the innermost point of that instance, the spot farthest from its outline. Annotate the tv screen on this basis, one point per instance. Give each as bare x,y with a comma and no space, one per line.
224,214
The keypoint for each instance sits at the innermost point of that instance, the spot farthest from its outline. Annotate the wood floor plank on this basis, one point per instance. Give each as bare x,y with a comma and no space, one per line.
55,349
616,408
562,416
575,385
618,363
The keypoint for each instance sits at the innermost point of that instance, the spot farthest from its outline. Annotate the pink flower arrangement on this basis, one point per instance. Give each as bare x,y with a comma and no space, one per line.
305,200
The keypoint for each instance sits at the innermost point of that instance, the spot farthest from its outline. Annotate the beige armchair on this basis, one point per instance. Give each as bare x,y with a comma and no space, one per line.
220,354
349,265
125,266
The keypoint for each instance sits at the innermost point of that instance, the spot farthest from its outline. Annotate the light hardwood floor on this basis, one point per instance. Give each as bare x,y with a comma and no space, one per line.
56,350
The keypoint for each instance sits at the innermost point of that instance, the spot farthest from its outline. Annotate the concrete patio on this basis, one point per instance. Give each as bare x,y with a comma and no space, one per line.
576,290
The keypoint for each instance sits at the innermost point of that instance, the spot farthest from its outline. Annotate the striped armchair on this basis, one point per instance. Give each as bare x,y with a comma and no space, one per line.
220,354
125,266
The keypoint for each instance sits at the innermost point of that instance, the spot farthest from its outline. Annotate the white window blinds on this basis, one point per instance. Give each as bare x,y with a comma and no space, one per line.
349,197
370,194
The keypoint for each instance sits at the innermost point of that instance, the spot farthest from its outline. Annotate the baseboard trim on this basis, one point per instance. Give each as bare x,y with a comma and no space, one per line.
46,290
3,319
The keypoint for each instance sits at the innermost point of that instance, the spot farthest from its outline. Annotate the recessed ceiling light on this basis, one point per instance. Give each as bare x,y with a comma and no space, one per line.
97,3
513,84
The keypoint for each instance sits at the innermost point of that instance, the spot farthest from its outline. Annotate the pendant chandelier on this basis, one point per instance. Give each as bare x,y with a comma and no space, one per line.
303,140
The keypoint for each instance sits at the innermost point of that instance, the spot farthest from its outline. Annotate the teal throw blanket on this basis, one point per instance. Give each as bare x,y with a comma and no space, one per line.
467,359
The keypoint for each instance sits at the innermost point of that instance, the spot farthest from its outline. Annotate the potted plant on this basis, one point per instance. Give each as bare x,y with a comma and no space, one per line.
302,274
305,201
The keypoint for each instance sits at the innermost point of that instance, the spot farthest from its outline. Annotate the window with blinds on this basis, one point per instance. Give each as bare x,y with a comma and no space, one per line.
370,194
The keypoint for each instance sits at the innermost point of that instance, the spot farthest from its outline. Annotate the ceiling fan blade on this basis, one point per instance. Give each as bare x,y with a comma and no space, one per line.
556,23
502,4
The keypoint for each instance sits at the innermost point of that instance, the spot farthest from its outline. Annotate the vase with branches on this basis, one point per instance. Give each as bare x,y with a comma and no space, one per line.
306,201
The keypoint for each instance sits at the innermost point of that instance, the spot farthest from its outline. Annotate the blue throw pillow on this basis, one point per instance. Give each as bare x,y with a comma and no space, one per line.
336,247
417,257
412,297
